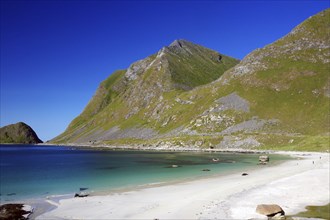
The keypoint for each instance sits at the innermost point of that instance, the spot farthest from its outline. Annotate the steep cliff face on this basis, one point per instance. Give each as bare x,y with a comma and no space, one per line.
187,95
19,133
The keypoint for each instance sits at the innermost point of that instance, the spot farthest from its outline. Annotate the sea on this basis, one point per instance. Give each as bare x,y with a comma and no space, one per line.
36,171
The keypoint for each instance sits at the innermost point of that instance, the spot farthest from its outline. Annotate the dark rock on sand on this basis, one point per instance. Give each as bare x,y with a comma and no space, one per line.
13,212
80,195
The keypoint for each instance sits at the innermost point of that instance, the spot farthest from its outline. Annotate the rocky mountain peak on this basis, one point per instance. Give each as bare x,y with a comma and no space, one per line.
184,47
180,43
134,94
176,43
188,95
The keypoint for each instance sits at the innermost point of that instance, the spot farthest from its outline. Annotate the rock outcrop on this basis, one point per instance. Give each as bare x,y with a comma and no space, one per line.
270,210
19,133
15,211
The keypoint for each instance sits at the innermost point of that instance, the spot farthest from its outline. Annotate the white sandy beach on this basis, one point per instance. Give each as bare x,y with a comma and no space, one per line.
292,185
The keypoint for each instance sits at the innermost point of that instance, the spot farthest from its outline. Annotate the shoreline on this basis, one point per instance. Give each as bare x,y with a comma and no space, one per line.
147,185
212,197
42,205
168,148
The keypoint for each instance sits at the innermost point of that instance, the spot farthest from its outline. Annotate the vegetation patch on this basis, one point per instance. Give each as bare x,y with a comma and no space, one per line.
319,212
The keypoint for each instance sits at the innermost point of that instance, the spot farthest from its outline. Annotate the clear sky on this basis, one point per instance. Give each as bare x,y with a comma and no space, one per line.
54,54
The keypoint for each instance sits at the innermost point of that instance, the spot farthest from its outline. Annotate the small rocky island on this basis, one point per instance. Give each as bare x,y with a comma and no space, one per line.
19,133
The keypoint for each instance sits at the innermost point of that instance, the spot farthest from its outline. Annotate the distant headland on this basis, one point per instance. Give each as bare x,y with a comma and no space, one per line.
19,133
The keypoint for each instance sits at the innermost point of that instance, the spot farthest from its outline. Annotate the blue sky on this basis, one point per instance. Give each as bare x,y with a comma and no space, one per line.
54,54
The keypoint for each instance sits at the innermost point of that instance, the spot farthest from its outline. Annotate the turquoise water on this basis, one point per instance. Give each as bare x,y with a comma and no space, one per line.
40,171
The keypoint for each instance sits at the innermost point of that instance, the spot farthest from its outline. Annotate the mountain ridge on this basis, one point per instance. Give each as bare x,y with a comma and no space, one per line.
276,97
145,81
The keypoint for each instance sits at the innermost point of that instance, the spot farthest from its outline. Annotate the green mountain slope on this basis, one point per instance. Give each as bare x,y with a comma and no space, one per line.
129,103
19,133
277,97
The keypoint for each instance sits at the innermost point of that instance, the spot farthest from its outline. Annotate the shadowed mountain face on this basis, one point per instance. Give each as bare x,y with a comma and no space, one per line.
188,95
19,133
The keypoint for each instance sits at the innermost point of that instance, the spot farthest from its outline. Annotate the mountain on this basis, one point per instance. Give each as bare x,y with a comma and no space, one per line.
277,97
131,103
19,133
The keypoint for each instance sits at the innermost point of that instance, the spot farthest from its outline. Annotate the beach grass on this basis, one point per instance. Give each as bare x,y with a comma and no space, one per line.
321,212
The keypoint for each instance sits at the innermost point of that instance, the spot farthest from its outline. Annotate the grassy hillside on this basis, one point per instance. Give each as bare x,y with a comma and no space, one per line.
138,96
277,97
19,133
193,65
104,95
